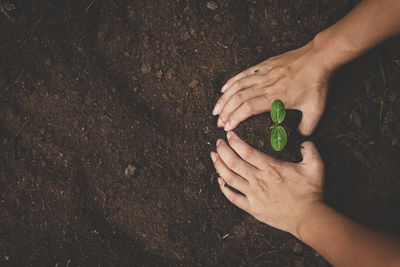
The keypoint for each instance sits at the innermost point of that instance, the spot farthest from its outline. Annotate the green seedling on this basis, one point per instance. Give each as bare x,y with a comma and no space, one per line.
278,133
4,11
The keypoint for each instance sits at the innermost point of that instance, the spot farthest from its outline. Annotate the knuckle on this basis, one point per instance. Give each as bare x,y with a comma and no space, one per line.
249,107
238,84
232,164
231,196
238,97
229,180
248,153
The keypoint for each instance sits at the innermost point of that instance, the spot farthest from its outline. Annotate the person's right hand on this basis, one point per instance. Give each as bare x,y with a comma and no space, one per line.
298,78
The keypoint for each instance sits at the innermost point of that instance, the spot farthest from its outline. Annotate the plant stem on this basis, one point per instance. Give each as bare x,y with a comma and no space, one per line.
380,115
4,11
381,68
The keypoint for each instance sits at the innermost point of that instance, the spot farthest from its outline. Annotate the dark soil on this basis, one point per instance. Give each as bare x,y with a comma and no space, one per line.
106,129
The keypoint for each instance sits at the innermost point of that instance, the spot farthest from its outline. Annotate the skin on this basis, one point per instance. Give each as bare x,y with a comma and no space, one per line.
300,77
289,196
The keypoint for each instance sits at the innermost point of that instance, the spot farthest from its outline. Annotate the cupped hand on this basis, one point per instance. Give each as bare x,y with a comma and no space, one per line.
298,78
277,193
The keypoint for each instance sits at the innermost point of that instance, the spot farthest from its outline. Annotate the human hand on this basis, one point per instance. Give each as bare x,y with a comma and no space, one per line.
298,78
277,193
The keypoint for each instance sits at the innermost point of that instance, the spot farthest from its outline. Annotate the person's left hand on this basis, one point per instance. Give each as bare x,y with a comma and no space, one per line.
277,193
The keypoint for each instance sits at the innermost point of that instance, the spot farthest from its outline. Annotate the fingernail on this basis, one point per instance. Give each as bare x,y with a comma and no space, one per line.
220,123
218,141
229,135
216,109
226,127
220,181
224,88
213,156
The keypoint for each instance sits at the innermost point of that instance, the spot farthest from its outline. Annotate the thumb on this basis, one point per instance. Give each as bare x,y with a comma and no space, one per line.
310,153
309,121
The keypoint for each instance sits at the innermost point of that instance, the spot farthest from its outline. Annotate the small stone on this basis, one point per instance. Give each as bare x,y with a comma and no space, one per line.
395,141
42,131
200,166
9,6
159,74
163,95
212,5
297,248
393,97
185,36
357,120
274,22
193,84
170,75
218,18
146,68
130,170
368,88
49,62
298,263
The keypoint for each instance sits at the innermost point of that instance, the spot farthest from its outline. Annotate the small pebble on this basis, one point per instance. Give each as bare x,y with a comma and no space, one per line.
130,170
212,5
297,248
193,84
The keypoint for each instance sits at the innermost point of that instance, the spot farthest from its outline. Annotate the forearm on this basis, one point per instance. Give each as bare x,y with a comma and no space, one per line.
344,242
368,24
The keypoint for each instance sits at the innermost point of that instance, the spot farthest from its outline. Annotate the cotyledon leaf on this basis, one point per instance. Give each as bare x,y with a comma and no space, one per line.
278,111
278,138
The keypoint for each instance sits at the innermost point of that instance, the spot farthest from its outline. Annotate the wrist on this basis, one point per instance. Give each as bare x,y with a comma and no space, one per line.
306,225
332,50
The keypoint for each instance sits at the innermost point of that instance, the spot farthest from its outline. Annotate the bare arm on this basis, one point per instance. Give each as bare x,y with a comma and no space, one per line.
368,24
344,242
288,196
300,77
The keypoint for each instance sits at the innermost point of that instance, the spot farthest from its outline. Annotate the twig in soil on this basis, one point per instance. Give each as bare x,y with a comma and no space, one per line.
316,8
89,6
235,52
20,130
37,22
225,236
222,45
385,93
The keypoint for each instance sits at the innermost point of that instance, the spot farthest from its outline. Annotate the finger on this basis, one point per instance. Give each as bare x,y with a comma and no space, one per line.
263,68
235,198
234,162
248,153
310,153
238,85
229,177
309,121
238,99
239,76
249,108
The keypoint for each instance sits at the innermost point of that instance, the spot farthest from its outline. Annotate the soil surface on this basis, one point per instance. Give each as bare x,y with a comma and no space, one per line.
106,129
